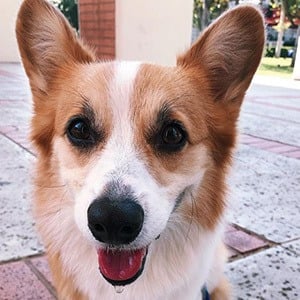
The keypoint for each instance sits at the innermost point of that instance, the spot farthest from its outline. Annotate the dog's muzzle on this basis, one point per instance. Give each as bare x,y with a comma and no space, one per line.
116,219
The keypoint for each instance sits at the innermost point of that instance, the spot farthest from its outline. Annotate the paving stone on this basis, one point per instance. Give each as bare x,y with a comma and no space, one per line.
41,264
271,274
277,110
284,132
265,193
17,234
293,247
18,282
260,143
283,149
231,252
294,154
274,88
243,242
229,228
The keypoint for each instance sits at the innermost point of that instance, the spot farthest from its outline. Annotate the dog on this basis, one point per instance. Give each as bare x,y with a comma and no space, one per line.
132,158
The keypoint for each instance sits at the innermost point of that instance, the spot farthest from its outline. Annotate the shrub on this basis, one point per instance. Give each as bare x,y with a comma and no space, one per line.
270,52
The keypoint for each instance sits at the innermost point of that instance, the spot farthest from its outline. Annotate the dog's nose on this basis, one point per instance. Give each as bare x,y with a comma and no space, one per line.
115,222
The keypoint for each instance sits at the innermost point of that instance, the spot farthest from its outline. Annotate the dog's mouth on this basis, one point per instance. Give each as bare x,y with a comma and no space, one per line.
121,267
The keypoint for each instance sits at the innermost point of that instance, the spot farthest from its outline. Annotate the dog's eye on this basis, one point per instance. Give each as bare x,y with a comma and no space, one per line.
173,137
80,133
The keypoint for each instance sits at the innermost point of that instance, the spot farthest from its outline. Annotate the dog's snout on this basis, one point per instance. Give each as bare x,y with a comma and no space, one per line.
115,222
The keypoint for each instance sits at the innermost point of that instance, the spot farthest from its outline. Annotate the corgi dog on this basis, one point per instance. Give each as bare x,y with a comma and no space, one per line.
132,158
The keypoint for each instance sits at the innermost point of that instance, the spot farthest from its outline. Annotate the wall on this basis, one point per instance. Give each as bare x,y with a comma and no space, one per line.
124,29
8,43
97,25
153,30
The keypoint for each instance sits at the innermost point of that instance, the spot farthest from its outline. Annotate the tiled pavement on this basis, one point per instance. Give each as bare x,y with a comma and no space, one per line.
264,235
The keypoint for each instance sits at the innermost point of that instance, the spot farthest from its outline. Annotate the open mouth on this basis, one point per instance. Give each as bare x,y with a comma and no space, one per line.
121,267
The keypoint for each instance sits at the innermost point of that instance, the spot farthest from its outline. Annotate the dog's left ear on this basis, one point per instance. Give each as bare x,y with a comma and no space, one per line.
228,52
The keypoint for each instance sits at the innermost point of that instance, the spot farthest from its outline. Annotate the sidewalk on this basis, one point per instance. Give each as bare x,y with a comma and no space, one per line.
264,235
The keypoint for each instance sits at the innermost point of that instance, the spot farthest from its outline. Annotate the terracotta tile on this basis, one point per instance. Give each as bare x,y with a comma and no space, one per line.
246,138
231,252
295,154
7,129
283,148
18,282
41,264
230,228
243,242
251,141
265,144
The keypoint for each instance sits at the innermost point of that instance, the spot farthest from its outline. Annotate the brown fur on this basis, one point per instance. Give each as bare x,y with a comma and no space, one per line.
204,91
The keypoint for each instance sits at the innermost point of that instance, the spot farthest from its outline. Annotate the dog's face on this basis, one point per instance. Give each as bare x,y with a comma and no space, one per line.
136,143
128,161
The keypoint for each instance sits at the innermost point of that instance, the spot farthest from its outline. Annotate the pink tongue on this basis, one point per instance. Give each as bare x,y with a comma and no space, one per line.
120,265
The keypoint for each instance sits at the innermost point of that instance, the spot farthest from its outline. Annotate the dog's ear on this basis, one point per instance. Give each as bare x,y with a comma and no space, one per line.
47,42
228,52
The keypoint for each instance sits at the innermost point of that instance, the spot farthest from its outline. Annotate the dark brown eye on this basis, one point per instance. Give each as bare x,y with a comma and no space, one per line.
172,138
80,133
172,135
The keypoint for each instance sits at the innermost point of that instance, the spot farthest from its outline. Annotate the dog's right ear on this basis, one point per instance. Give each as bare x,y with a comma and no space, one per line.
47,42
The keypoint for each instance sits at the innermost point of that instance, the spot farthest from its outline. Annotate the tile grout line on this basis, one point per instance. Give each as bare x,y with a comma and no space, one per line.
40,277
18,144
265,139
271,118
256,144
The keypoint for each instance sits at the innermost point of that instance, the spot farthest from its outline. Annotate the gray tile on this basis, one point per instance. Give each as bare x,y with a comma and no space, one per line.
17,234
265,191
272,274
272,113
293,247
283,132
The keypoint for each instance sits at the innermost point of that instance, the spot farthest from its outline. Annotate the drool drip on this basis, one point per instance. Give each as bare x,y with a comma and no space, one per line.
119,289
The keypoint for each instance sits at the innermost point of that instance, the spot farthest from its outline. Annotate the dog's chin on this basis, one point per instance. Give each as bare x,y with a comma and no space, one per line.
121,267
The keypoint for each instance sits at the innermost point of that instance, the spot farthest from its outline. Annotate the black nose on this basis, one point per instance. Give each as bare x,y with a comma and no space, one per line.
115,222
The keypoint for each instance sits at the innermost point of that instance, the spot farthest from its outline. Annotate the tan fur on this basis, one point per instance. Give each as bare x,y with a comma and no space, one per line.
222,292
64,284
204,92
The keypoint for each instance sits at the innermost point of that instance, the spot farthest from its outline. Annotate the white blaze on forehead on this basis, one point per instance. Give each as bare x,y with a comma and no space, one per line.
119,161
120,94
119,148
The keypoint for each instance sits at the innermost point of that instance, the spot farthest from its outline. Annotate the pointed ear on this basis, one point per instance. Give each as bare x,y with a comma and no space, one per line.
229,52
47,42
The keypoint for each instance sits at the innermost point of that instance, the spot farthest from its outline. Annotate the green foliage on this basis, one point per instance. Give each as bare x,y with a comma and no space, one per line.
70,9
292,8
276,67
205,11
270,52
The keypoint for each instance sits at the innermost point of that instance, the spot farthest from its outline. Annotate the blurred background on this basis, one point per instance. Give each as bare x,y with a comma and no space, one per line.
263,235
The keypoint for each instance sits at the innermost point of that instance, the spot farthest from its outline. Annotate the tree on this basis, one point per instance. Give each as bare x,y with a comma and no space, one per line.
205,11
70,9
290,10
280,31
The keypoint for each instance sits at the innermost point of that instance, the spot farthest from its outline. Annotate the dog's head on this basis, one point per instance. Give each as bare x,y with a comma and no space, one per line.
132,143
